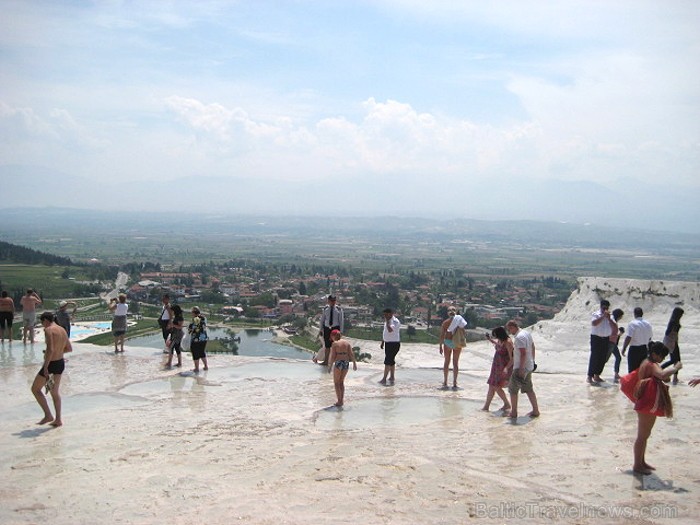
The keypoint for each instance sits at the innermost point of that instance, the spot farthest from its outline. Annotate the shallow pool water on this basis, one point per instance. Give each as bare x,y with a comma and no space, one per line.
395,412
250,343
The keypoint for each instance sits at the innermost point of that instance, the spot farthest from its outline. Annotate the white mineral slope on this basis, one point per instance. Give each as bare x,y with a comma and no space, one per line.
253,440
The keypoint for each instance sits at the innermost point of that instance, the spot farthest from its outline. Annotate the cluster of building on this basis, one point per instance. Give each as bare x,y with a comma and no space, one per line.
285,297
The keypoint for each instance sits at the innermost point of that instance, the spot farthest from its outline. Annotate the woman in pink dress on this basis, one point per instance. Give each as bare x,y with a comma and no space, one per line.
646,388
501,367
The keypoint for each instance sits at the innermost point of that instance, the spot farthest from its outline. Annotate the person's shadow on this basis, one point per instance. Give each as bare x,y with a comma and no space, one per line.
33,432
654,482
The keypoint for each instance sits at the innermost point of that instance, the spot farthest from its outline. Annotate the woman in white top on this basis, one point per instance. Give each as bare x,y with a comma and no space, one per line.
119,308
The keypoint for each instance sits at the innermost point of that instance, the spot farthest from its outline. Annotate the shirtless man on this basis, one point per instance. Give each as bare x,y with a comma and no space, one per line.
339,361
57,344
7,314
29,303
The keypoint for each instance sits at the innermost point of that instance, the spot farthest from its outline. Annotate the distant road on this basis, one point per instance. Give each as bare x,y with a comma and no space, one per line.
119,284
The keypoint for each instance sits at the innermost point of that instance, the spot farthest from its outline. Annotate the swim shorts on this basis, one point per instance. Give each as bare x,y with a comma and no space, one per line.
55,367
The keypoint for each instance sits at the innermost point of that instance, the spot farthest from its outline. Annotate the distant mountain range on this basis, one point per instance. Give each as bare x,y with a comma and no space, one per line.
386,229
662,207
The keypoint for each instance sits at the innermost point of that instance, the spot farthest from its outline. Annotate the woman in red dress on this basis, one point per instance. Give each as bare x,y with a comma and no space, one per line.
645,387
501,367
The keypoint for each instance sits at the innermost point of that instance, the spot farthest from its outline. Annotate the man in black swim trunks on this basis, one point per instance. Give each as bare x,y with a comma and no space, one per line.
57,344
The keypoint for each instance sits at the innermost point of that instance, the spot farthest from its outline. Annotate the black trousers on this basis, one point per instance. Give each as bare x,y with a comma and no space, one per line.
635,356
327,338
673,357
599,355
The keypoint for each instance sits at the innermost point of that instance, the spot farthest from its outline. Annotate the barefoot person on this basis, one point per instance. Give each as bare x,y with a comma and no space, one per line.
178,322
7,314
57,344
645,387
198,331
339,362
119,307
391,344
501,368
29,302
671,340
63,317
332,318
452,341
523,366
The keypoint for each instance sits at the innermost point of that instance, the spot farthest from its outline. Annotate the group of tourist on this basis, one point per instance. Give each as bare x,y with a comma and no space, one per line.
172,325
56,327
645,382
512,366
29,302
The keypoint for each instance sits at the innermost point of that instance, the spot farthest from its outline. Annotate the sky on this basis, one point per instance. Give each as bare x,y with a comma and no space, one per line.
576,111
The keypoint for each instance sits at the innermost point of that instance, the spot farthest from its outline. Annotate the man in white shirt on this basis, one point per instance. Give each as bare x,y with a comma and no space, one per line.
602,327
523,366
639,333
391,343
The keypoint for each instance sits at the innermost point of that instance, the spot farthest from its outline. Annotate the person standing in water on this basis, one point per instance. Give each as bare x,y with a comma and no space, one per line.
198,331
339,362
671,340
176,334
49,376
391,344
119,307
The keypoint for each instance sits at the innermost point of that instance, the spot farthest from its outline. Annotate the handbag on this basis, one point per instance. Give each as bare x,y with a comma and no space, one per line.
186,341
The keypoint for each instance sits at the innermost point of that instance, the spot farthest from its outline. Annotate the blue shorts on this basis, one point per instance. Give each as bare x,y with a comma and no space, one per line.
448,343
342,364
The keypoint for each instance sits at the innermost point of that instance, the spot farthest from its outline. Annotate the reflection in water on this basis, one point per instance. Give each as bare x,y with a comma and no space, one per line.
249,342
396,412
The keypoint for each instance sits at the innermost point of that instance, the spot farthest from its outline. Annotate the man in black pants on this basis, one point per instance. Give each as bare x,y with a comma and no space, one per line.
639,335
331,319
601,330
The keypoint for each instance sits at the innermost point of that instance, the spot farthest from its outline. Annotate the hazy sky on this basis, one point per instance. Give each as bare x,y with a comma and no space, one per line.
568,110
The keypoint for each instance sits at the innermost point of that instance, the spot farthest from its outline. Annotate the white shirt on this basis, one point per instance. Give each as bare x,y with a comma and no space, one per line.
639,332
165,313
338,317
457,322
523,339
602,329
121,309
393,336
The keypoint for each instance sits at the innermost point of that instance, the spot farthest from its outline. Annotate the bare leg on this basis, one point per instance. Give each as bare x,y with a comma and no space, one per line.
196,366
455,365
502,395
489,397
204,361
391,373
56,396
513,405
446,364
533,401
37,386
645,423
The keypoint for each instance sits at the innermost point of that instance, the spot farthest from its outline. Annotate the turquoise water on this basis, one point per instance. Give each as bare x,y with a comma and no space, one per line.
78,331
252,343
